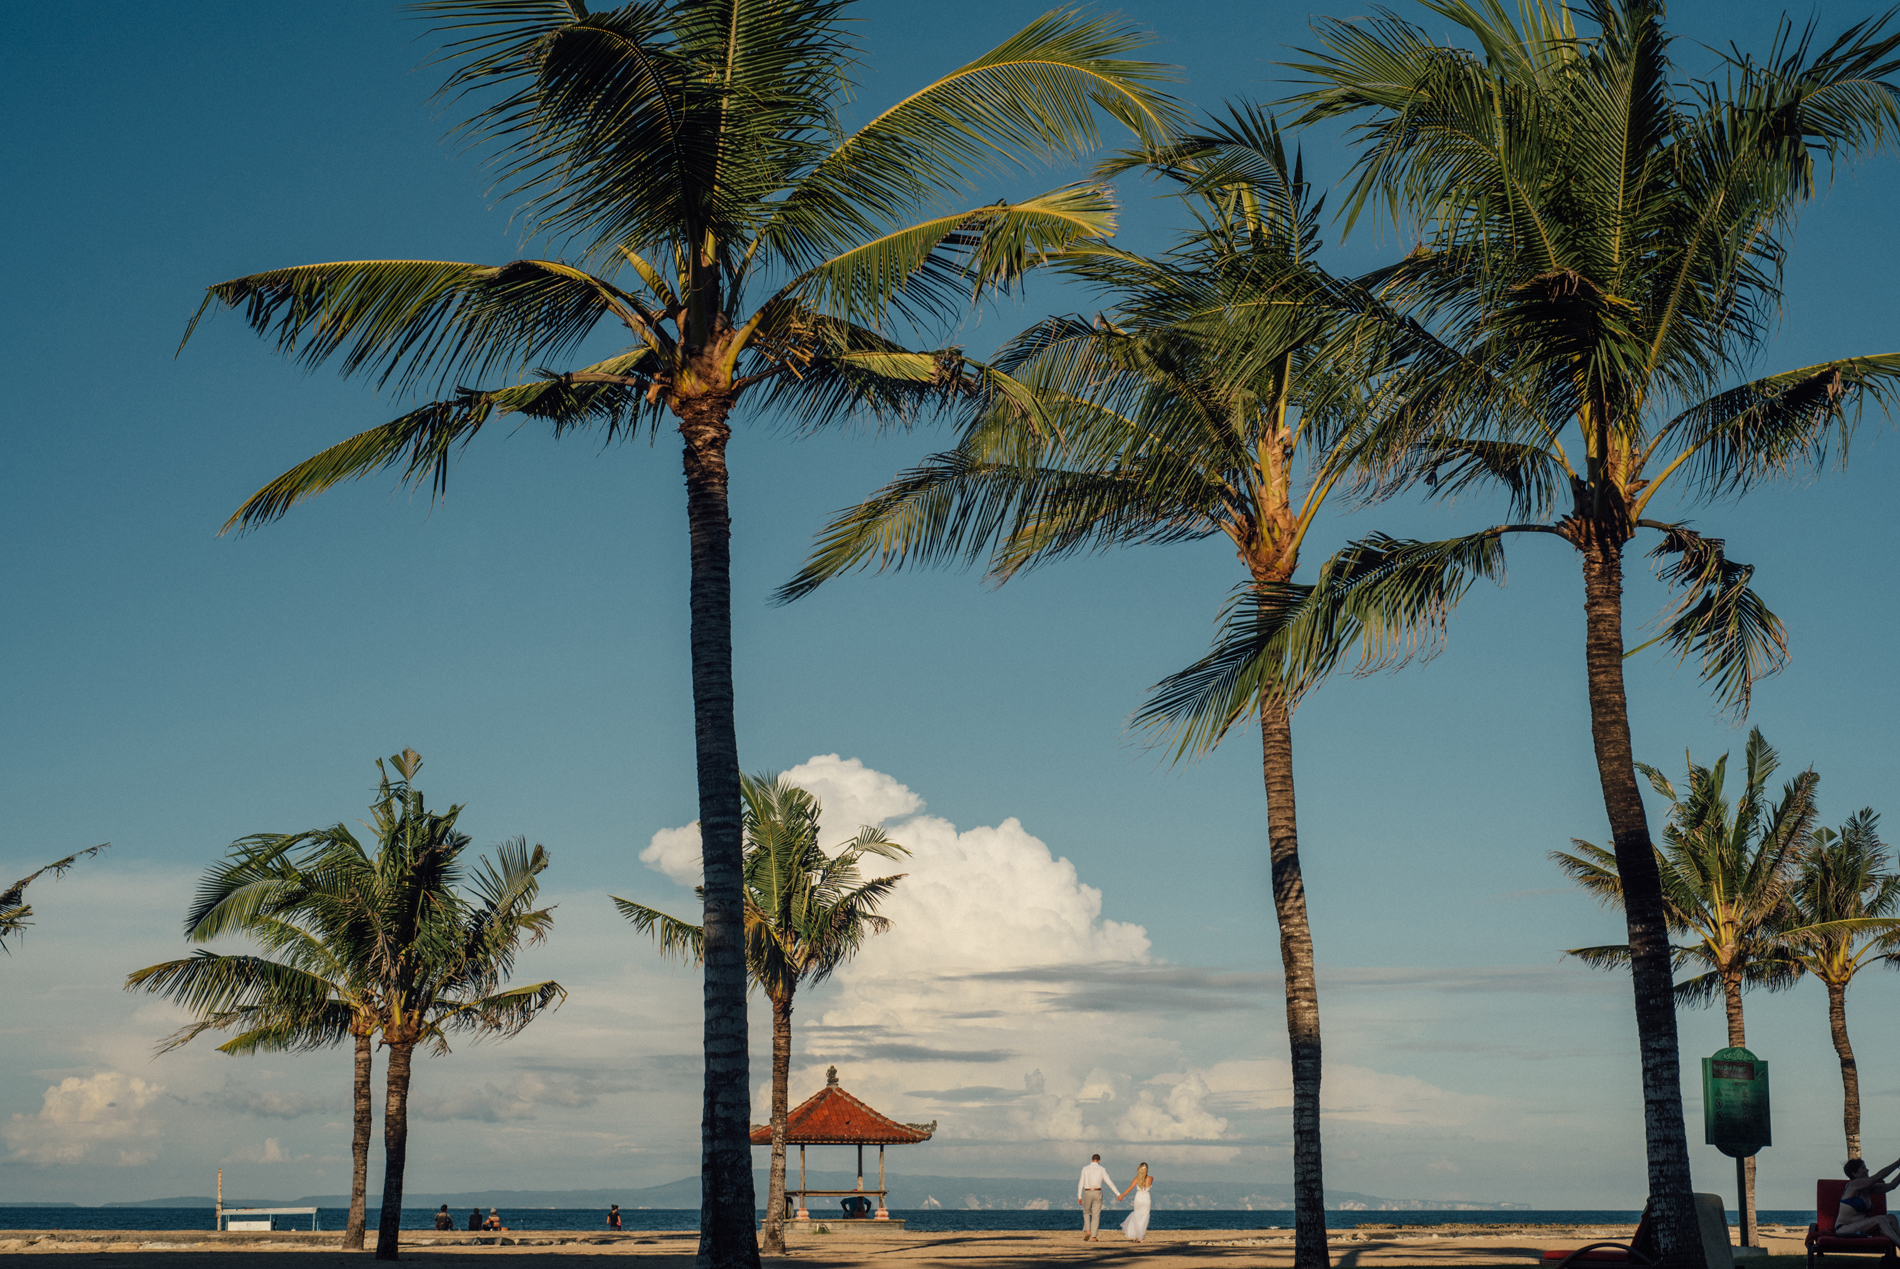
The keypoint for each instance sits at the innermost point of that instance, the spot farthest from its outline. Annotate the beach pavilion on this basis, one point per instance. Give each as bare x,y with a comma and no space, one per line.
833,1117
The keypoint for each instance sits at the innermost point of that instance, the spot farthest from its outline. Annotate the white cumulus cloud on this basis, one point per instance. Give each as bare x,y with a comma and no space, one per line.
77,1115
675,852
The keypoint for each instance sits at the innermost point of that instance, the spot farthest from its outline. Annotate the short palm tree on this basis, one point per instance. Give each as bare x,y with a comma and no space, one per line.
436,958
749,246
309,991
15,911
1209,400
807,912
1727,876
1602,239
398,935
1848,902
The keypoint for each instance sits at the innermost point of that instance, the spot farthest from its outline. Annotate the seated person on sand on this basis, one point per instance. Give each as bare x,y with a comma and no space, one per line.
443,1221
494,1221
856,1208
474,1219
1855,1218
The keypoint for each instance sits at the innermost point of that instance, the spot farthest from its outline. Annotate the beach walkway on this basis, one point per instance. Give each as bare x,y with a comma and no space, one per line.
1453,1248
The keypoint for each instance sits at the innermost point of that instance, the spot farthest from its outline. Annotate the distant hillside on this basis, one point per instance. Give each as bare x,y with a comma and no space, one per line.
206,1200
991,1193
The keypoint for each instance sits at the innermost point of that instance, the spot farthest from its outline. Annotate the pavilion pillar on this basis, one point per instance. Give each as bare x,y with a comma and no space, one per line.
860,1167
883,1213
803,1214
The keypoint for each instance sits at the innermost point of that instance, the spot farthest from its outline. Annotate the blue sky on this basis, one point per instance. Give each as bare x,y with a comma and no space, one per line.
169,691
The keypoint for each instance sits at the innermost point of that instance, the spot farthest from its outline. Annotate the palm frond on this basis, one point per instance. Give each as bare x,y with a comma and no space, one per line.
1717,618
14,909
1779,425
1391,599
935,268
676,938
423,442
1033,98
418,321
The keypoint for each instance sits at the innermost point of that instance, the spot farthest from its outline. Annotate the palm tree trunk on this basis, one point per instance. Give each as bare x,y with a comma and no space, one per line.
726,1207
1850,1073
1302,993
1670,1190
781,1108
359,1146
395,1149
1738,1039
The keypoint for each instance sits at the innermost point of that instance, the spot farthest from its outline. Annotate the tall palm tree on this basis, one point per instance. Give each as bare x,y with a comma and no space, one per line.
807,912
1847,900
15,910
1207,401
314,994
1727,876
751,247
1601,237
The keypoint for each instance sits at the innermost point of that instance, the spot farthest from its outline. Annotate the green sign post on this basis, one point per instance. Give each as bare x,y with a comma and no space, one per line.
1735,1117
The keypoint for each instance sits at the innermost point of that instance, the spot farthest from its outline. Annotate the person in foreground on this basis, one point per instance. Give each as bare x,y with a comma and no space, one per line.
1136,1226
1857,1216
1088,1196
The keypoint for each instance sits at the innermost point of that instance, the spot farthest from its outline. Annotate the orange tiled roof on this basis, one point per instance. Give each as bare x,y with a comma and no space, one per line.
833,1117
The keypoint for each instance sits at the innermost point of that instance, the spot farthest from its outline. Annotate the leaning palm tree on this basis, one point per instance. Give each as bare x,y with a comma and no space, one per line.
310,990
750,247
15,911
807,912
1601,236
1728,872
1847,901
1210,400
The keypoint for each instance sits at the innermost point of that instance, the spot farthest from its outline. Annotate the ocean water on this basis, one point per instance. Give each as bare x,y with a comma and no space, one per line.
934,1220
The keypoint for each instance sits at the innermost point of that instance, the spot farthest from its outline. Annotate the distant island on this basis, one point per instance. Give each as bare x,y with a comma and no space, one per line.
907,1192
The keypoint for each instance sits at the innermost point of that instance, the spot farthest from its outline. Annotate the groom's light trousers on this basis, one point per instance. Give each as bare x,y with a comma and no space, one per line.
1091,1212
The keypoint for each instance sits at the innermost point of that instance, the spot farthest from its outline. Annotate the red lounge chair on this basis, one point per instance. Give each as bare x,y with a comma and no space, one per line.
1821,1236
1640,1250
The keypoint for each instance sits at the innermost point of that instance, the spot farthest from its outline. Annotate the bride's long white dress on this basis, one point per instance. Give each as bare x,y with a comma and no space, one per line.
1136,1226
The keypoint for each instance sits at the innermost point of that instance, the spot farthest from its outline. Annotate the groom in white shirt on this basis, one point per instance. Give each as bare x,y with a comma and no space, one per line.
1088,1194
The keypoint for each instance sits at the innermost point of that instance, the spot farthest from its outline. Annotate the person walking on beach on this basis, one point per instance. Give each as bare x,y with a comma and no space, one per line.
1088,1196
1136,1226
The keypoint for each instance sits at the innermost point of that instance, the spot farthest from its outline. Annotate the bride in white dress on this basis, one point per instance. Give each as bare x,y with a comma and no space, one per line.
1136,1226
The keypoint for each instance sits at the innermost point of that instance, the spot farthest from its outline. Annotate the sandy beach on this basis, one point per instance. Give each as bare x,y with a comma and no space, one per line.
1002,1249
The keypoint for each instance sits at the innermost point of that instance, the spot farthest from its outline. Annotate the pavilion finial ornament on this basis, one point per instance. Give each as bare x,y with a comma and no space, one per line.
831,1077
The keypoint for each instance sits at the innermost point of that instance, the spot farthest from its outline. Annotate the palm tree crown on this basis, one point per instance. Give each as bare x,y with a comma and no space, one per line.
1729,872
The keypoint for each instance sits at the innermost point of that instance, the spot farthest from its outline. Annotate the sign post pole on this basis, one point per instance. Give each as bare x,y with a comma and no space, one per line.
1735,1119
